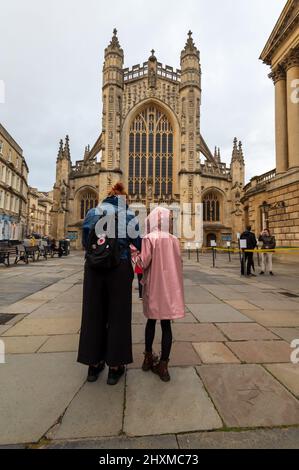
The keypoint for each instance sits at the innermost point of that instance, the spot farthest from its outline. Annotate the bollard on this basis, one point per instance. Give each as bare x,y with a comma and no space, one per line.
229,255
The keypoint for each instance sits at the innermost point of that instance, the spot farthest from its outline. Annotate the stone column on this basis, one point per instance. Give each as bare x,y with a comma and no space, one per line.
281,127
292,67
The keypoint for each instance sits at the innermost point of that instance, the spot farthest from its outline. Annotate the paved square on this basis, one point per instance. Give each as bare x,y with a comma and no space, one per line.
44,392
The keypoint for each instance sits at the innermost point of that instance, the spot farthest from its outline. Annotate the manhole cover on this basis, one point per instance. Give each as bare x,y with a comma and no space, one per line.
289,294
5,317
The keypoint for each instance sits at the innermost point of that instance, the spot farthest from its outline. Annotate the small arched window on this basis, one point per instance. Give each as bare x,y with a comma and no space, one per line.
211,207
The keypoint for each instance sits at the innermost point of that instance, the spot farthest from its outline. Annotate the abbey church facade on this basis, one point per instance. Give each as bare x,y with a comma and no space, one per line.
151,140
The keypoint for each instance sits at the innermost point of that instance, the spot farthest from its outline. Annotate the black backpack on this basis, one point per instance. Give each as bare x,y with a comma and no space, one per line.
102,252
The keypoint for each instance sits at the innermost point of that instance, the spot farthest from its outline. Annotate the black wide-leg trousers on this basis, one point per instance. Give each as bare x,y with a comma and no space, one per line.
106,332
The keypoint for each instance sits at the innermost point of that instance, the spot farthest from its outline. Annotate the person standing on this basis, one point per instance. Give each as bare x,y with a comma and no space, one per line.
163,291
137,269
105,335
268,243
247,258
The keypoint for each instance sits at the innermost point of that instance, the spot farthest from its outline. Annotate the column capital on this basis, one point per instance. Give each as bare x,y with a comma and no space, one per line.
278,73
292,59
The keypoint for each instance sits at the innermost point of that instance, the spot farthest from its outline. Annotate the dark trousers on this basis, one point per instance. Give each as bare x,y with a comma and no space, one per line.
166,342
139,276
106,316
248,262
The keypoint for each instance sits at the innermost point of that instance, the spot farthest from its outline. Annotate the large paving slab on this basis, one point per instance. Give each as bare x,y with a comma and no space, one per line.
279,318
287,374
96,411
60,343
277,305
74,294
55,309
196,294
286,438
288,334
215,353
221,313
35,390
121,442
23,344
246,395
256,352
44,326
156,407
241,304
23,306
245,331
196,332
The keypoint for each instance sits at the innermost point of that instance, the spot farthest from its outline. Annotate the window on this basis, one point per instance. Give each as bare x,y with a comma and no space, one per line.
1,147
9,155
211,207
88,200
150,153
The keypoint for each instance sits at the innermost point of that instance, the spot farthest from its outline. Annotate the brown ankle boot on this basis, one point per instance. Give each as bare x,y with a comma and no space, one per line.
161,369
149,359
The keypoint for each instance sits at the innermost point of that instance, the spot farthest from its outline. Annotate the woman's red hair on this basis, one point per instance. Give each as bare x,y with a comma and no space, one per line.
118,190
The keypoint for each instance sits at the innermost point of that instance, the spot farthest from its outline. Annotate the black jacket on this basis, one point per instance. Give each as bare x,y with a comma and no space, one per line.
269,241
251,240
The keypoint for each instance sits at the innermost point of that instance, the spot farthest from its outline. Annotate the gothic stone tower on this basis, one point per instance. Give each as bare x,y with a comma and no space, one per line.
59,211
151,141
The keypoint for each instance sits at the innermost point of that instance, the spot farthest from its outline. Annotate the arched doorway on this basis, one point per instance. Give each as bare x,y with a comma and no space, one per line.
211,237
150,169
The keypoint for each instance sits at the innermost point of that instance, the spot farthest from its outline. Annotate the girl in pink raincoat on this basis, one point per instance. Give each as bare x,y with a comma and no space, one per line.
163,292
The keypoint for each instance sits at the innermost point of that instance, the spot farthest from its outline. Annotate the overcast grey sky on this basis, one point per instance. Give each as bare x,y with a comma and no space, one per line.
51,56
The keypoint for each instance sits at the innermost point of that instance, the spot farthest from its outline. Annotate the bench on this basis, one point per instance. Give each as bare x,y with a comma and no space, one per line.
22,255
32,252
6,252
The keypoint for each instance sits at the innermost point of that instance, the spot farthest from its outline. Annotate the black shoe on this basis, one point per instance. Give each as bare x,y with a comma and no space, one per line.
114,375
261,273
252,275
94,372
271,273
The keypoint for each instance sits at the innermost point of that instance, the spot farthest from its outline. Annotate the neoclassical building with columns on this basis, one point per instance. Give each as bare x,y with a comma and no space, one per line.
272,199
151,140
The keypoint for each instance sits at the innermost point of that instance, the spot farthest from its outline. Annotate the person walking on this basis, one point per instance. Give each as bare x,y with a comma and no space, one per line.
163,292
247,257
105,335
268,243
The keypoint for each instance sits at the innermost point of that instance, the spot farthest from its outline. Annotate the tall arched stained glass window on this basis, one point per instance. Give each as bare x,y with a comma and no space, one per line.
150,153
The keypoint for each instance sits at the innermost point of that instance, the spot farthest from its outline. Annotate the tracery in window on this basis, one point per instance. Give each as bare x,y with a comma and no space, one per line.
211,207
150,153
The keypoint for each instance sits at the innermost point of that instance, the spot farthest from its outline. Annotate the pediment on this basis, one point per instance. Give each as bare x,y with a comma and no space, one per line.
287,22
